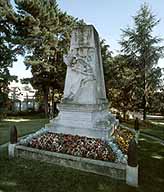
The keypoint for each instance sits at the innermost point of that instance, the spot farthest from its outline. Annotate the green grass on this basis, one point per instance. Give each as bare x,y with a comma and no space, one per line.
153,127
151,161
19,175
156,129
24,125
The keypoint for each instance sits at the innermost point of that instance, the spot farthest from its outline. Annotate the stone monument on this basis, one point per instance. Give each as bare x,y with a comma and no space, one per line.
84,108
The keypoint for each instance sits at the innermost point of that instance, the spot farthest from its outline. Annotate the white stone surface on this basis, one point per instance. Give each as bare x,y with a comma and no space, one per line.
137,136
11,148
84,109
132,176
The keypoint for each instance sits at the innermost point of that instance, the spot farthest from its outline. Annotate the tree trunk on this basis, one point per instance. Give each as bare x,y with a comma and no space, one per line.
52,102
20,106
33,103
124,115
144,107
26,101
46,101
144,93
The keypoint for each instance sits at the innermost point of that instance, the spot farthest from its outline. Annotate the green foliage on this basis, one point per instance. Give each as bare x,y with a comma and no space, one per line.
44,31
120,80
106,59
144,51
156,102
122,85
8,51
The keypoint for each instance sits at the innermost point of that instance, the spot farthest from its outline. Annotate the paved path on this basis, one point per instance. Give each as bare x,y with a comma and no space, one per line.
153,117
152,137
4,145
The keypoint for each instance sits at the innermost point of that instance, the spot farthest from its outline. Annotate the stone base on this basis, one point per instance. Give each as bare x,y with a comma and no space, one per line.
132,176
84,120
11,148
113,170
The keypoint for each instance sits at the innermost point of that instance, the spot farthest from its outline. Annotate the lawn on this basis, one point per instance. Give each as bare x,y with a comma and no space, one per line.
24,125
27,176
20,175
153,127
156,128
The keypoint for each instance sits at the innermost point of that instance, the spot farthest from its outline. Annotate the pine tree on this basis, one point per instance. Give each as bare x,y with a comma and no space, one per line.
8,51
139,44
45,33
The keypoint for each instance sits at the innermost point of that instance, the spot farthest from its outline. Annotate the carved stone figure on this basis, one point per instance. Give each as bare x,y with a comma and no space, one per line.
80,71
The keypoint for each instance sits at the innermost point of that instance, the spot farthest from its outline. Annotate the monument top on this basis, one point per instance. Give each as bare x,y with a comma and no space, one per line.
84,79
84,36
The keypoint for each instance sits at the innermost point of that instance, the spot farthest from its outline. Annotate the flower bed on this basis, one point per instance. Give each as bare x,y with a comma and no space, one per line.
73,145
122,137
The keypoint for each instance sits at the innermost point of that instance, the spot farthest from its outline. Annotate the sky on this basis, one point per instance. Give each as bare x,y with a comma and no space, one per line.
108,17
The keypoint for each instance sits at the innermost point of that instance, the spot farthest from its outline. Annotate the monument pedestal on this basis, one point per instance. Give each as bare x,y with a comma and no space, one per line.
84,120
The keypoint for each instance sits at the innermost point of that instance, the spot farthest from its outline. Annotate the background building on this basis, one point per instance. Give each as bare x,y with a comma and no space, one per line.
22,97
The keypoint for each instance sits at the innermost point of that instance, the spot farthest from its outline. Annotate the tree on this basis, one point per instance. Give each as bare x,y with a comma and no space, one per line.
45,33
156,102
119,80
8,51
106,55
139,44
121,85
